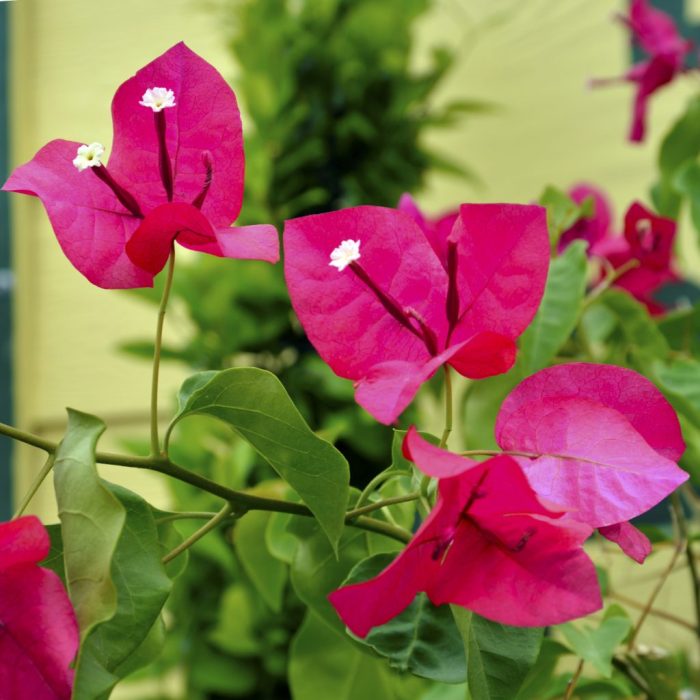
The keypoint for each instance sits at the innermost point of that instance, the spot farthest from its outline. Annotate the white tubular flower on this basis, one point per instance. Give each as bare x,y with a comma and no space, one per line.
89,156
347,252
158,98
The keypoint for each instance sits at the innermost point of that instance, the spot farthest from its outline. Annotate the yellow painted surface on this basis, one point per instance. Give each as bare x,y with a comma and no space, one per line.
531,57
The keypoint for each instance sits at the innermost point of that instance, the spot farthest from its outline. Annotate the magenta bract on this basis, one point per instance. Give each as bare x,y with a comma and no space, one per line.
601,441
38,629
395,313
592,229
497,551
656,33
175,173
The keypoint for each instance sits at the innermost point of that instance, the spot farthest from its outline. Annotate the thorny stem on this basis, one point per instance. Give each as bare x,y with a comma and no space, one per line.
240,501
680,546
222,515
573,681
155,442
45,471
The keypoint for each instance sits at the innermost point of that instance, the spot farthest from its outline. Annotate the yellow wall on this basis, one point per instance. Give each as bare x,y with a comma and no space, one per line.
532,57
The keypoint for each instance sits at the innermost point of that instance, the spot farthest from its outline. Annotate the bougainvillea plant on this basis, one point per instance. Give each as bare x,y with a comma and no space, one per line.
447,566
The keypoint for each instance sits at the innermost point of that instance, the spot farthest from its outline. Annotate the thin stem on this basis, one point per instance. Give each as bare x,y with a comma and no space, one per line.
375,483
608,282
45,471
155,442
222,515
662,614
394,500
690,558
240,500
680,546
448,408
185,515
574,680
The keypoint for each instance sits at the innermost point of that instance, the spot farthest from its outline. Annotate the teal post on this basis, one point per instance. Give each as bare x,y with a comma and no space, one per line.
6,277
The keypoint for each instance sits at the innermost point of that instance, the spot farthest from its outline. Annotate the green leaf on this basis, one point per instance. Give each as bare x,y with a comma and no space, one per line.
255,404
235,623
682,143
499,657
324,664
268,574
687,182
680,382
597,645
316,570
540,677
127,640
562,212
423,639
559,311
92,519
280,543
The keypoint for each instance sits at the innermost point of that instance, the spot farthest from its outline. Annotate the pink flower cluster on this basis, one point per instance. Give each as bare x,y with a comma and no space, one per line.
584,446
644,249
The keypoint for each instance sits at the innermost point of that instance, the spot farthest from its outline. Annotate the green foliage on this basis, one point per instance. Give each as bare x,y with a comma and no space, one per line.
597,645
84,500
499,657
255,404
323,664
423,639
559,311
329,132
562,212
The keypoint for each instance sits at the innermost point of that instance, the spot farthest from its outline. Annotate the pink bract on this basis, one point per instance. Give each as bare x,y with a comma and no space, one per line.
592,229
601,441
394,316
38,629
656,33
497,551
202,144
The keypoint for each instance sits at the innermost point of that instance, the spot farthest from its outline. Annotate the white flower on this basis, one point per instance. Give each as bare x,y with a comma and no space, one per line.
347,252
158,98
89,156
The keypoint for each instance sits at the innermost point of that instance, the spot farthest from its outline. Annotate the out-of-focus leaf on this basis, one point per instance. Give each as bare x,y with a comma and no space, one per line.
597,645
499,657
256,405
324,664
423,639
235,627
559,311
562,211
540,677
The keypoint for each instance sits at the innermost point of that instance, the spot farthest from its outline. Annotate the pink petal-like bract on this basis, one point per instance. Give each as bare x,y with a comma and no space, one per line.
600,441
186,155
634,543
592,229
656,33
38,629
395,314
497,551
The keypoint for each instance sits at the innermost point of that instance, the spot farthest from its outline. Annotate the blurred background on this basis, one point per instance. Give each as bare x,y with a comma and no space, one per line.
344,102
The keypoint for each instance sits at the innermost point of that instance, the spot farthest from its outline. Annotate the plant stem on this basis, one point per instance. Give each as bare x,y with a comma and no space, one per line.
377,481
222,515
610,279
45,471
680,546
394,500
425,481
677,504
574,680
155,442
242,501
654,611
